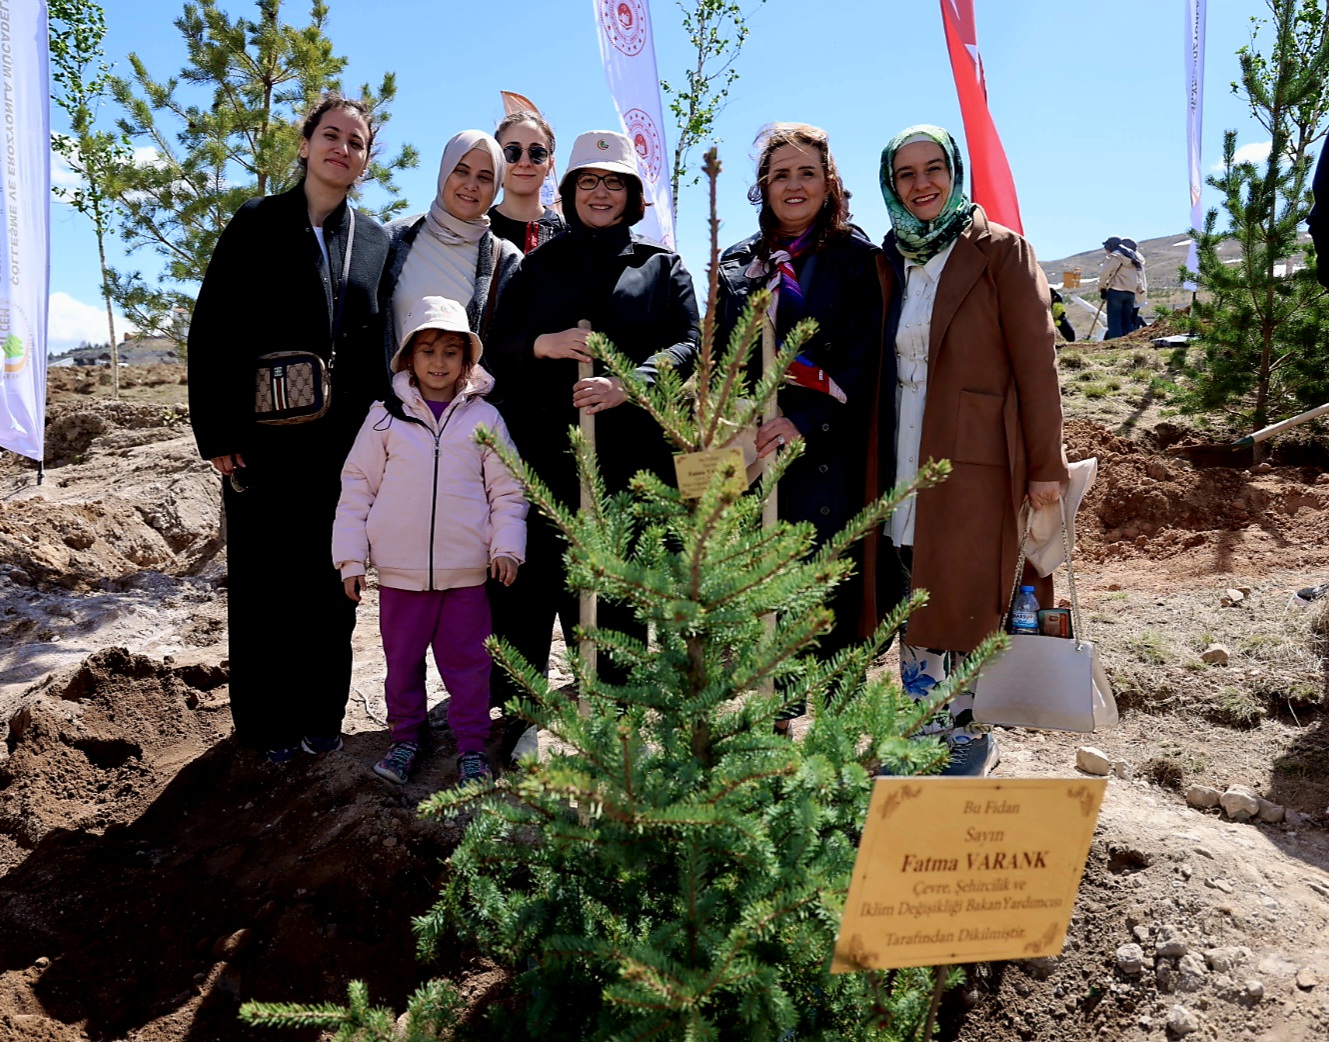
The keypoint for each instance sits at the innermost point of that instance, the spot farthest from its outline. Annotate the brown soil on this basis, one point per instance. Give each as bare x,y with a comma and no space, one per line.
153,876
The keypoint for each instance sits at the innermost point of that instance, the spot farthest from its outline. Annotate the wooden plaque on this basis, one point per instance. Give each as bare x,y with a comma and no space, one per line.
695,469
966,870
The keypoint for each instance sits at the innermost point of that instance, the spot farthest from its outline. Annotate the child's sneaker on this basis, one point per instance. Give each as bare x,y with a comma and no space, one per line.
473,767
398,764
317,746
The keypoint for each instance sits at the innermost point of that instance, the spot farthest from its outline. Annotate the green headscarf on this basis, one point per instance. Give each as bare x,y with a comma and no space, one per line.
920,241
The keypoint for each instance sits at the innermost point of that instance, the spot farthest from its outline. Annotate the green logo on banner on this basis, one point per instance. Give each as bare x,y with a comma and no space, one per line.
13,346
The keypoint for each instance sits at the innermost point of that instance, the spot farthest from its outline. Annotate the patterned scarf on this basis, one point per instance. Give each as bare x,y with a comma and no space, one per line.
920,241
782,281
779,273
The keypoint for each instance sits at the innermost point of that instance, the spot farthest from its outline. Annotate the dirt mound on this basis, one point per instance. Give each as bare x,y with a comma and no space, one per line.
124,492
158,875
1154,505
96,379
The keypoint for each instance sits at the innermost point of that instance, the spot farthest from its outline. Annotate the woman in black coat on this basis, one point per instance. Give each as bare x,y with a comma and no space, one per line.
275,283
636,292
821,267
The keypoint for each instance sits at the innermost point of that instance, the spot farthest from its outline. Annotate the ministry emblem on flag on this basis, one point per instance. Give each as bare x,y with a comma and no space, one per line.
645,137
625,24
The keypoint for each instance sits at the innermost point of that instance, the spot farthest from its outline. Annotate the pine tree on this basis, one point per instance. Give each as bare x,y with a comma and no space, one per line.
1260,323
82,80
676,870
256,79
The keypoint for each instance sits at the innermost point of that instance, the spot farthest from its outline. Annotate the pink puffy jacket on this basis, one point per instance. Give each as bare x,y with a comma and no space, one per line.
422,500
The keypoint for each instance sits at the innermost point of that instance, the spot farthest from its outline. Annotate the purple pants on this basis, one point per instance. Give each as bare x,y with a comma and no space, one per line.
456,623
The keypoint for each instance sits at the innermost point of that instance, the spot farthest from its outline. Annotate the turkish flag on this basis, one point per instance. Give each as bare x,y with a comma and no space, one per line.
991,184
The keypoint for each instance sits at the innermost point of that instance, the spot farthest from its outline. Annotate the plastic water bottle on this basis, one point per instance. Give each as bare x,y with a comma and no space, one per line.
1024,613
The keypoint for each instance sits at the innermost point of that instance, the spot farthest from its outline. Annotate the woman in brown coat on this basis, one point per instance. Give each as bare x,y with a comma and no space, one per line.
976,384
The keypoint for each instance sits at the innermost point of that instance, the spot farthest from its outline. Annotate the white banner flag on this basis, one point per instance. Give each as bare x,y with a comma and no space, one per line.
25,192
627,48
1195,14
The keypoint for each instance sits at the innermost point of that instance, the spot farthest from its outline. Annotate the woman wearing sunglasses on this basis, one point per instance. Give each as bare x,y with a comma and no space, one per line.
819,266
528,148
297,271
637,293
450,251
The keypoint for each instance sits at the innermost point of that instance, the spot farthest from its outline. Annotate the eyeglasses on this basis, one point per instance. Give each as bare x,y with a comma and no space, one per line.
538,153
588,181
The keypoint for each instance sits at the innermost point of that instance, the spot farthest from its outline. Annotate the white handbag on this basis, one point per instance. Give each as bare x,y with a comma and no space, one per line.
1047,683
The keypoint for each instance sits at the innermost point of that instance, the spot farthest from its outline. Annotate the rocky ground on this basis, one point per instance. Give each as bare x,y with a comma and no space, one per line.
152,876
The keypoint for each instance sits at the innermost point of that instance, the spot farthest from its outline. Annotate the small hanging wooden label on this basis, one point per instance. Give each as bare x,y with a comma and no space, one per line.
695,470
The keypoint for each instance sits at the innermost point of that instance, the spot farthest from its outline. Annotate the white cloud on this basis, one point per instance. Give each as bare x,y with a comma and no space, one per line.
1254,152
62,174
70,322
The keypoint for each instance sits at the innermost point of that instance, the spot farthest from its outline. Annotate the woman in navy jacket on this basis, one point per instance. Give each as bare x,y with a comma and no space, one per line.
823,268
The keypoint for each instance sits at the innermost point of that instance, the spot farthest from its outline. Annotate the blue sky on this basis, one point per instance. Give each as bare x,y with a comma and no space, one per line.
1088,99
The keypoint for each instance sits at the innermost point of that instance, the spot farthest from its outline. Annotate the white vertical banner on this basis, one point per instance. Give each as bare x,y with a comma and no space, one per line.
25,194
627,48
1195,16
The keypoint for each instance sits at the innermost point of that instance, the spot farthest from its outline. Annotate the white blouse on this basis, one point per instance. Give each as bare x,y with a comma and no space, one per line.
911,360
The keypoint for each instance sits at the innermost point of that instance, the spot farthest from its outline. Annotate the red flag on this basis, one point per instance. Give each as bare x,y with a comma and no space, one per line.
991,184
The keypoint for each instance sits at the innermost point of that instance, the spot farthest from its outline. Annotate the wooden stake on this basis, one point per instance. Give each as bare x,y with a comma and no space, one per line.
586,607
770,510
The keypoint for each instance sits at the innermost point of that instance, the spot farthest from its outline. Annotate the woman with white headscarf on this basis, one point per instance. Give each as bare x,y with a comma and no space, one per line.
450,251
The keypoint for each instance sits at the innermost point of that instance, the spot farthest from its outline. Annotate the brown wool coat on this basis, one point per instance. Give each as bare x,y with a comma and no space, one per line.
994,410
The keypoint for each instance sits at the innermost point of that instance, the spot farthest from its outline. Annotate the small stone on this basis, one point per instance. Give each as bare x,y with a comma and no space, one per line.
1170,943
1165,977
1181,1021
1233,596
1225,960
1114,587
1262,468
1219,884
1130,959
1122,770
1141,933
42,962
1271,813
1190,972
233,944
1202,797
1253,990
1092,761
1216,655
1240,803
1307,978
1186,870
389,841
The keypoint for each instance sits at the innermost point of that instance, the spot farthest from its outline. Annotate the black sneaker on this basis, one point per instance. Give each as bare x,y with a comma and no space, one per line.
317,746
473,767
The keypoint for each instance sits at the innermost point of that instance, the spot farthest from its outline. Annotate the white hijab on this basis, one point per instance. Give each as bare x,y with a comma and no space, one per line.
439,221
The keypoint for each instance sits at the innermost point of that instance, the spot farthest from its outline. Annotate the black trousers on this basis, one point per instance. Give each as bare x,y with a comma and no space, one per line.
525,612
289,619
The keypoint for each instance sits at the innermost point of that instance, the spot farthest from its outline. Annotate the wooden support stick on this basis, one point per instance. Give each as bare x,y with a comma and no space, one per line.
586,608
771,508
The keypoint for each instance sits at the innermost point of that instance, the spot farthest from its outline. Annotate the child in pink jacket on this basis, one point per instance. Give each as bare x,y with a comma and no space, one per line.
437,514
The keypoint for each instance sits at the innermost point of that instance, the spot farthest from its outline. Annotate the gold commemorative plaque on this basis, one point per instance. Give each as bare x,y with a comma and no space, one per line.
695,470
966,870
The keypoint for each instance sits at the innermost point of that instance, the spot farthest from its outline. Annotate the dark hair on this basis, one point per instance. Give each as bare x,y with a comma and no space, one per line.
515,119
326,103
833,220
634,209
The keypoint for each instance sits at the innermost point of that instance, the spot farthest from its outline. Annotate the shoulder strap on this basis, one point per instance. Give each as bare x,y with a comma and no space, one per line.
340,291
397,409
488,314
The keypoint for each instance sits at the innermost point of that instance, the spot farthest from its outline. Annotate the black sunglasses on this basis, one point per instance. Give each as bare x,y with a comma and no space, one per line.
538,153
588,181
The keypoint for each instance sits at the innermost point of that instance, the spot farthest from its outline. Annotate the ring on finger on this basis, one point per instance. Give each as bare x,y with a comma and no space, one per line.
779,440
